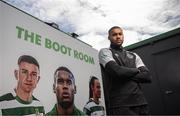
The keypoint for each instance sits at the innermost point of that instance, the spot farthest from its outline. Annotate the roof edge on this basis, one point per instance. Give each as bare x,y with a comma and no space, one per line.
154,39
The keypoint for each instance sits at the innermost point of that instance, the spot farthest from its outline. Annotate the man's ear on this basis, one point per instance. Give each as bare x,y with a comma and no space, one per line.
75,89
16,74
38,79
54,86
108,38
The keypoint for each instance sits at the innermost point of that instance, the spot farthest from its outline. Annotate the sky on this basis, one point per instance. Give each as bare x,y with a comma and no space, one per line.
91,19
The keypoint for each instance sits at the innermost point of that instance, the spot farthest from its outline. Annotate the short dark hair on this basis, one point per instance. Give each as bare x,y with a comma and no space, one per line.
64,69
28,59
114,27
91,83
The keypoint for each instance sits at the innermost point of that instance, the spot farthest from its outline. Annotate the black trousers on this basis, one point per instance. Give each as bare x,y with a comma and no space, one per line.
131,110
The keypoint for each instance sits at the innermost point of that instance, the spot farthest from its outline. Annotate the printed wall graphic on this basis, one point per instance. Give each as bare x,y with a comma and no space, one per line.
43,50
94,105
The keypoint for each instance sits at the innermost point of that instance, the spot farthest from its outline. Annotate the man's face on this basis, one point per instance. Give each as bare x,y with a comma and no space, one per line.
116,36
27,76
64,89
97,89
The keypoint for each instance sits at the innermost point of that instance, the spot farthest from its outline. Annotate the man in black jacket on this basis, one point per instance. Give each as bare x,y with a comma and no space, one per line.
123,72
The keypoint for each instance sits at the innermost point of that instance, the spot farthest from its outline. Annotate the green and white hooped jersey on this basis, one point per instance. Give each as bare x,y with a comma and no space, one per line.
10,104
93,109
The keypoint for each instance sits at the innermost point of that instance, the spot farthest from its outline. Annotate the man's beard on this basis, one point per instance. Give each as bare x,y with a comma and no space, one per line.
66,104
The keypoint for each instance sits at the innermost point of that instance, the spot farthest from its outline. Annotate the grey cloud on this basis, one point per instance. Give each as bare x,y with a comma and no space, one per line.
66,26
142,30
168,15
175,21
27,6
172,21
88,5
23,4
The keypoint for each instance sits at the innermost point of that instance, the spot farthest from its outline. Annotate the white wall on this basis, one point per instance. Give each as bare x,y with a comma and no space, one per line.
12,47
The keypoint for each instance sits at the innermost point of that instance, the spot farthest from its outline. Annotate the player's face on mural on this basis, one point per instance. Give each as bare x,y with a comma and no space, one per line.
64,89
27,76
97,89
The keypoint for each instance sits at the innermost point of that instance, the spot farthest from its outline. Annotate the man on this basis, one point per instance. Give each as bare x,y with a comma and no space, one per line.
64,88
21,101
94,106
122,73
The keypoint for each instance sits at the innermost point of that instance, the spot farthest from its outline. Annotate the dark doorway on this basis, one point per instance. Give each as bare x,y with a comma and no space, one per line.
167,64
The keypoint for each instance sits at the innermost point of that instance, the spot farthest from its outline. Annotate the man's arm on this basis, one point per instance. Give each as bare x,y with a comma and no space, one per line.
143,76
113,68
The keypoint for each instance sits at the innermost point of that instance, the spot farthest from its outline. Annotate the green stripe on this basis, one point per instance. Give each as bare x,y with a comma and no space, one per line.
7,97
35,98
96,108
86,111
23,110
22,101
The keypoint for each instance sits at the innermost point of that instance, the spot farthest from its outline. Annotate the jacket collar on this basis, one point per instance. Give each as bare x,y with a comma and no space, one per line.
116,47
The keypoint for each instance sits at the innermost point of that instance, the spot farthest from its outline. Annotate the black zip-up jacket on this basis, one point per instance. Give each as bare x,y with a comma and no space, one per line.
122,73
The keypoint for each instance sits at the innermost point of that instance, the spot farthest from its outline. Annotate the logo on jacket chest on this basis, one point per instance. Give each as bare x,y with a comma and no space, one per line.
117,55
130,56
